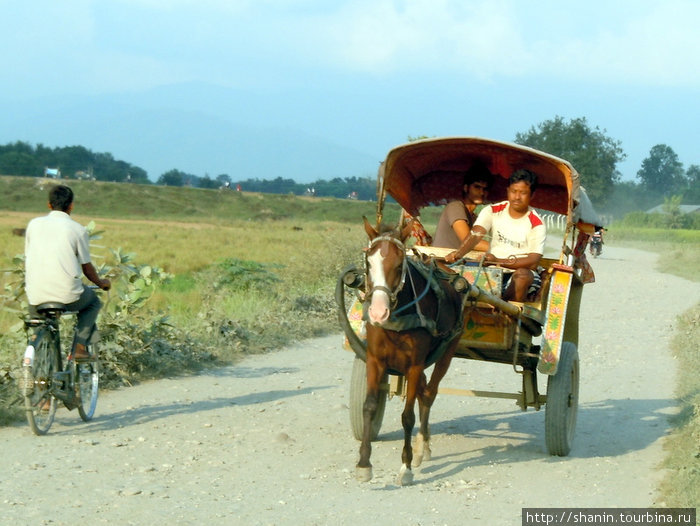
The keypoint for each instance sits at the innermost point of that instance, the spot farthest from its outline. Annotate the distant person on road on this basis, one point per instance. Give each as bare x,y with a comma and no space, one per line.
57,255
598,235
518,235
458,217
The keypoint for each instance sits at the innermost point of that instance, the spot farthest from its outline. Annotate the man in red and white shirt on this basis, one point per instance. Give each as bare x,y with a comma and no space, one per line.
518,236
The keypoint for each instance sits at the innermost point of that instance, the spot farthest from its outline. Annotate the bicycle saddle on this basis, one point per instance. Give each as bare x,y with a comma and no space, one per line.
51,306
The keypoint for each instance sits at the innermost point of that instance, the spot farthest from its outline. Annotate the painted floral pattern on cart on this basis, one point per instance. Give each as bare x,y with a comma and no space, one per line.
356,322
554,327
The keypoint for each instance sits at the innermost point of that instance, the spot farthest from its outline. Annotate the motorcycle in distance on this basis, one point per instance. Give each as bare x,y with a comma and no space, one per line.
596,243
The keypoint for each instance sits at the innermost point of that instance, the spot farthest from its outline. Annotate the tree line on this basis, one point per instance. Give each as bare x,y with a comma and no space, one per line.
590,150
596,156
75,162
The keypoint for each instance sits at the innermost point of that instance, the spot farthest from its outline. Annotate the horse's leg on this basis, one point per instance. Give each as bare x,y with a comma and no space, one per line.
408,420
363,470
426,397
421,446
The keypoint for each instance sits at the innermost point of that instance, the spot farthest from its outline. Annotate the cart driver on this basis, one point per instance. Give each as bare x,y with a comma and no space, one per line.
457,218
518,236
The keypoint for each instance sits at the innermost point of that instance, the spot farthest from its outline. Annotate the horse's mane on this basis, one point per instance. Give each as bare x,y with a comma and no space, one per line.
384,228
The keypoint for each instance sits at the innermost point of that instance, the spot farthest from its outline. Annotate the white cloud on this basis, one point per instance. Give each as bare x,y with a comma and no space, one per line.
653,42
141,43
660,46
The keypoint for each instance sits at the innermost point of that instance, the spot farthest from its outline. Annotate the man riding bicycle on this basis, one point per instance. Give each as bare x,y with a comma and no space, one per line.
57,255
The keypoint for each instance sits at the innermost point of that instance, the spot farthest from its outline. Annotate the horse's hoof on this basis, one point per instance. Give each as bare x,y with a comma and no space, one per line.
363,474
405,477
427,454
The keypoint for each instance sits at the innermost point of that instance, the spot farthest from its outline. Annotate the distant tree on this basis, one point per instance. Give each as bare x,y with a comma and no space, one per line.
208,182
23,159
173,178
18,163
137,175
19,147
628,196
662,172
672,209
692,195
223,179
73,159
594,155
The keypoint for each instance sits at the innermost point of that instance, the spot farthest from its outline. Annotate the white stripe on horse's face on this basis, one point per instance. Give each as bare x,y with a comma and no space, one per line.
379,306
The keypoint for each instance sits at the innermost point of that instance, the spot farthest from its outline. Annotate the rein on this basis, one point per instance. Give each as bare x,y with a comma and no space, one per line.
417,297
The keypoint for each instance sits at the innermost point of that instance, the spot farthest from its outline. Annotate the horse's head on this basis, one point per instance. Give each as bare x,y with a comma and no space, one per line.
386,269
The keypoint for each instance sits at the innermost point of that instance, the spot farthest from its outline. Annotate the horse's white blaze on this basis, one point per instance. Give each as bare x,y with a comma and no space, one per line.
379,306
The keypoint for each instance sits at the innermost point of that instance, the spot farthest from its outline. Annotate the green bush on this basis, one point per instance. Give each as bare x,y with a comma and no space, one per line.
243,275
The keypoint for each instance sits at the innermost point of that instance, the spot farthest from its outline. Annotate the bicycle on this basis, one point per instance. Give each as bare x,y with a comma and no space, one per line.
45,379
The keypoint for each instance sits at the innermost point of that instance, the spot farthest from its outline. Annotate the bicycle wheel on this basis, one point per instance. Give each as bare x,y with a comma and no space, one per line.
87,379
39,403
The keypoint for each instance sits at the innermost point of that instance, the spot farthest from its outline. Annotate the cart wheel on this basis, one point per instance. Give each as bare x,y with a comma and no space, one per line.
562,403
358,393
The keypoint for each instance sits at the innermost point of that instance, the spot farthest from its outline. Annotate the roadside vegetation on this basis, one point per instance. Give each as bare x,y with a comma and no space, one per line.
202,277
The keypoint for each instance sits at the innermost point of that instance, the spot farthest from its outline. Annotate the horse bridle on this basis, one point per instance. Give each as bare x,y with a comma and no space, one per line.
404,268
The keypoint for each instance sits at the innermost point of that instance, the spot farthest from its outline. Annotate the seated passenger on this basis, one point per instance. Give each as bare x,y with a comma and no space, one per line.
457,218
518,236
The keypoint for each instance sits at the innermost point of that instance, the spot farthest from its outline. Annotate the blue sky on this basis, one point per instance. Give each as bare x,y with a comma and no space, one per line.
368,74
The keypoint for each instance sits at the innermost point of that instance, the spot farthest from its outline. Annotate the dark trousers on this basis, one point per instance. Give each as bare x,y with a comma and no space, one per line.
88,307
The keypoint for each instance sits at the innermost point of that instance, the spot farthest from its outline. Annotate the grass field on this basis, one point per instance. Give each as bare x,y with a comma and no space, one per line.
253,272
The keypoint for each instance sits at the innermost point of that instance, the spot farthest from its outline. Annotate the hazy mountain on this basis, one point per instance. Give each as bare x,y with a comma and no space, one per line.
194,128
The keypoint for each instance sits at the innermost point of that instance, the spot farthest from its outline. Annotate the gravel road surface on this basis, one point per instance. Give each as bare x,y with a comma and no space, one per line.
267,441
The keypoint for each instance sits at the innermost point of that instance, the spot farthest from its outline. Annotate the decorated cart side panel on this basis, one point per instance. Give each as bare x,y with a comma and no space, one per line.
557,304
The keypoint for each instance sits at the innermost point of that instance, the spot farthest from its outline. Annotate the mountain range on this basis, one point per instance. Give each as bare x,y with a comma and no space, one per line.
194,128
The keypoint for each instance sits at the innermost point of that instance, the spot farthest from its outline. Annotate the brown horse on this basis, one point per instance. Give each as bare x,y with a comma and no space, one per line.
413,320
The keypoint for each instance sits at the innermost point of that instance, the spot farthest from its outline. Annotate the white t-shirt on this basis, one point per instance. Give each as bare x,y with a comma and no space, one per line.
55,249
511,236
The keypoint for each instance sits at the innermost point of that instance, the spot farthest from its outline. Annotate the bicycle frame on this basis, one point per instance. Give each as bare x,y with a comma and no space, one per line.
49,378
64,376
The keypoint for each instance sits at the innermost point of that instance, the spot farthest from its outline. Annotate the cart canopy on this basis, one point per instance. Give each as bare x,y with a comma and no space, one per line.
431,172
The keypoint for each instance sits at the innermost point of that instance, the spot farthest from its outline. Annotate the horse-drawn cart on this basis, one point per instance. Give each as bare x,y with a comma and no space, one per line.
535,337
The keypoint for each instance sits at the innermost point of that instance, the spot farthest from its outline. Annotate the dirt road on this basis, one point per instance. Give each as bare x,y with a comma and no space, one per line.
268,442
